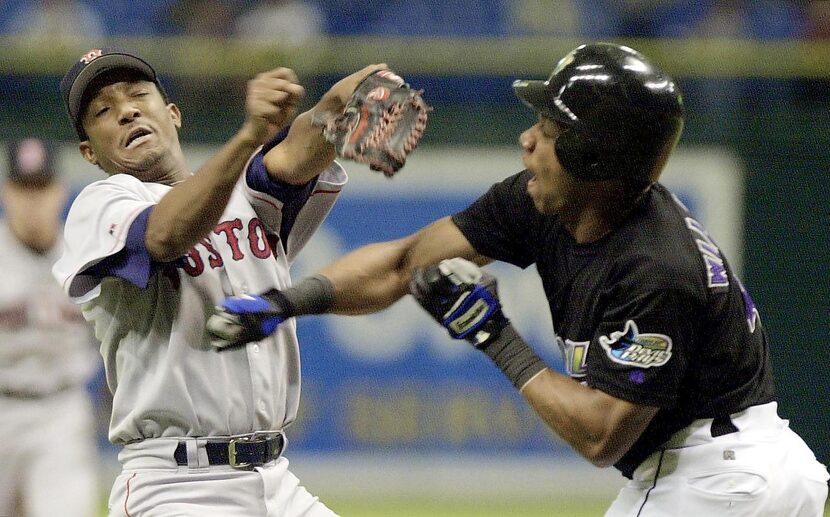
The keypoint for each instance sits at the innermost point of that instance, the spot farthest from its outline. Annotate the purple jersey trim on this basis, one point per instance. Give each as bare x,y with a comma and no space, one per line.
133,262
293,197
259,180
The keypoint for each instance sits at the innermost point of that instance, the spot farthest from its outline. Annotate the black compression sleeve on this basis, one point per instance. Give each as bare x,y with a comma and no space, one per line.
313,295
514,357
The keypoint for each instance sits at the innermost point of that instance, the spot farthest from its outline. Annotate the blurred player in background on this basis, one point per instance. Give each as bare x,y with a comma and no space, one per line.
153,247
49,462
668,374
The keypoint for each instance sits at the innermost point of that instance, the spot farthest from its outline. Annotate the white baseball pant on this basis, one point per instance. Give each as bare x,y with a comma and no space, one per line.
764,469
151,484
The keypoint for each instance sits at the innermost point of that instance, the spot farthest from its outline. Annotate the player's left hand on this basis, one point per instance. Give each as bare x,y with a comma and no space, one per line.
381,123
462,298
246,318
336,98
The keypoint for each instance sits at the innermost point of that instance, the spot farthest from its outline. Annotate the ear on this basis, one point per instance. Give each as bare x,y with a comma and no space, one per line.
175,114
88,153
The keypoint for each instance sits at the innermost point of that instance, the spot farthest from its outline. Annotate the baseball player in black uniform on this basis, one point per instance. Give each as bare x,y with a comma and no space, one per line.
668,364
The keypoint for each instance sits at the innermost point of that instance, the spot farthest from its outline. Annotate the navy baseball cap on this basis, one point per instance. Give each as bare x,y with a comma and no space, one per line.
91,65
31,162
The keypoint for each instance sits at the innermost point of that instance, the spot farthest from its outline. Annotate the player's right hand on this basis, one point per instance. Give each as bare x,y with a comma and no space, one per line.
246,318
462,298
271,102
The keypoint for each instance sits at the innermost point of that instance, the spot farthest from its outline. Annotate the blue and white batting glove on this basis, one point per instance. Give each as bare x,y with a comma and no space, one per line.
246,318
465,300
462,298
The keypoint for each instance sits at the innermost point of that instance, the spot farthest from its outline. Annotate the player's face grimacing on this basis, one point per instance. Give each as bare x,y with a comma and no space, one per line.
130,129
546,187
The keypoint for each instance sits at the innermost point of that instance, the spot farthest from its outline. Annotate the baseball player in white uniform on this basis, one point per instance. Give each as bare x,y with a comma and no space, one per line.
151,249
50,462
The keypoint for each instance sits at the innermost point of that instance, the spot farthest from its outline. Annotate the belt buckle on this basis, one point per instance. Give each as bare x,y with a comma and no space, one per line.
232,461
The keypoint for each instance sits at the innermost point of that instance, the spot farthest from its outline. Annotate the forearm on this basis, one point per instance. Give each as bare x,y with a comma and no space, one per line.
600,427
359,290
364,281
369,279
578,414
193,207
375,276
302,156
597,425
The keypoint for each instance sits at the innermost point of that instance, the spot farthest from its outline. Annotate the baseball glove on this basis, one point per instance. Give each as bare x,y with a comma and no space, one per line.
381,124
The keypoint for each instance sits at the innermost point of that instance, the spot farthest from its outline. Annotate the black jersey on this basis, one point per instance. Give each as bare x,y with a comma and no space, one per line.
651,313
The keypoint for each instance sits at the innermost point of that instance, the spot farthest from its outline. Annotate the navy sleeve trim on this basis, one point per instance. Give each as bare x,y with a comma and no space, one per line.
291,210
133,262
258,178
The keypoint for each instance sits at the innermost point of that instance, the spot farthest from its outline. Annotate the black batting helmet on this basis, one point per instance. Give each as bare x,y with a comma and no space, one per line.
620,115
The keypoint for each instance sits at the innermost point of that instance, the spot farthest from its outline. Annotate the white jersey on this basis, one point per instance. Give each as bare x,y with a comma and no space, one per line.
45,344
166,379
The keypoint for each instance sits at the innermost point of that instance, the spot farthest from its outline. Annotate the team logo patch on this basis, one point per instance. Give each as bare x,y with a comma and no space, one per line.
631,348
91,56
575,356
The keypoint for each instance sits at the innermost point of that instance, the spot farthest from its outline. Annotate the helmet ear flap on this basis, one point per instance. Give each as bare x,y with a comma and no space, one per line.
579,155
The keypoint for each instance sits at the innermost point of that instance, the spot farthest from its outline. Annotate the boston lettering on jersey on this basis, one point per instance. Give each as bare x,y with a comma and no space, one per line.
259,243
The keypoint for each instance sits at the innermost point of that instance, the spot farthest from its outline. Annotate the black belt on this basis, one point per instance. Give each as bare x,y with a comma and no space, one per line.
243,453
722,425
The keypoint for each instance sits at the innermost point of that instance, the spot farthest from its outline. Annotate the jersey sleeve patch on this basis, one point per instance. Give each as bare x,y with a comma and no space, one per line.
631,348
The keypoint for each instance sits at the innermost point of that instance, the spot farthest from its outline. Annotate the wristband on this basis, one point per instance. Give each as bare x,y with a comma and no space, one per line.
514,357
313,295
